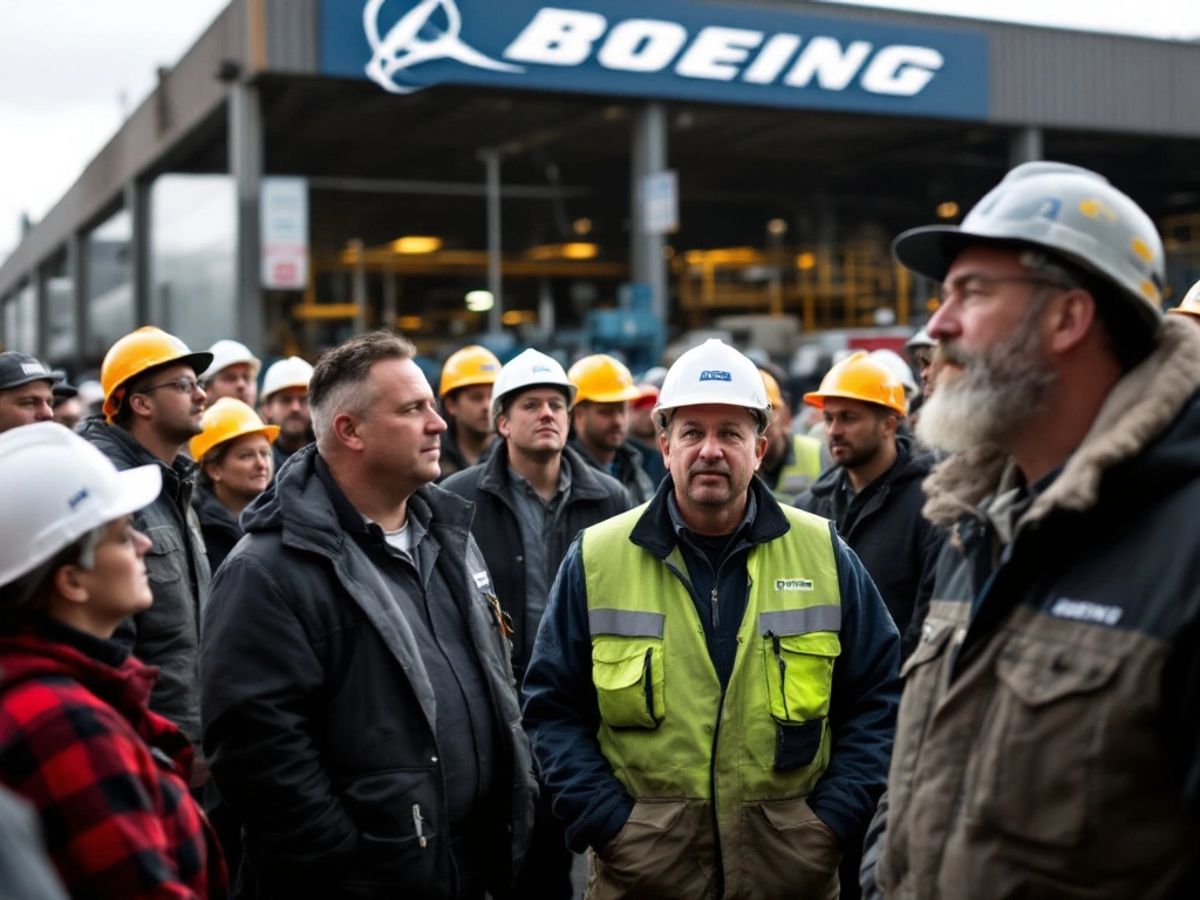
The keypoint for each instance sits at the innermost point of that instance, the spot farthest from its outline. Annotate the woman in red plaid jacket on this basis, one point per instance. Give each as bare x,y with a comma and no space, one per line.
77,739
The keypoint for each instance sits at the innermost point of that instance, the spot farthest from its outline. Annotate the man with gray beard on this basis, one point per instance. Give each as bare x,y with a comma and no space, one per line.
1046,744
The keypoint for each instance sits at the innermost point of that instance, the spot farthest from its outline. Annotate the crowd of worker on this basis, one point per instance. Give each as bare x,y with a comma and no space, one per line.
927,631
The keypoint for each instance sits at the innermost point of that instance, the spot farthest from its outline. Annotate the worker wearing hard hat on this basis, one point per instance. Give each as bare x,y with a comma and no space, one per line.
153,405
465,392
532,495
26,390
233,373
1047,744
713,688
873,492
791,462
285,403
1189,306
604,389
233,455
108,779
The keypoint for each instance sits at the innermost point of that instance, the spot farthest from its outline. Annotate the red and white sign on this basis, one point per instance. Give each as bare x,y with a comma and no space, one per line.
283,217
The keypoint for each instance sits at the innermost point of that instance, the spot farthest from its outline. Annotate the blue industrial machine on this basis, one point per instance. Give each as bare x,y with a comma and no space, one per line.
630,331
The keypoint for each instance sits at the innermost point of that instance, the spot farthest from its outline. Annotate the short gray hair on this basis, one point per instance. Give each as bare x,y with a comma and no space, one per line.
339,380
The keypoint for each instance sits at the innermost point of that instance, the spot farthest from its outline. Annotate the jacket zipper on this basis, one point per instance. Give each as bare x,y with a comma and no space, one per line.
419,824
716,613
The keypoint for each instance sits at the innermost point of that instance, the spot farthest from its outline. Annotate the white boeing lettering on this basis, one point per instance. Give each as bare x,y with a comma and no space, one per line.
558,37
642,45
824,59
718,53
772,59
570,37
901,70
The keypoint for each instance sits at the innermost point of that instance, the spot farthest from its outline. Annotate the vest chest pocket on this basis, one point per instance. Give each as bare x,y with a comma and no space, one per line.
799,669
629,676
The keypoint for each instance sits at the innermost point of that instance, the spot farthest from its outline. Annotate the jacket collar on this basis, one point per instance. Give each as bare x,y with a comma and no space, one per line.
655,529
126,453
584,483
1137,411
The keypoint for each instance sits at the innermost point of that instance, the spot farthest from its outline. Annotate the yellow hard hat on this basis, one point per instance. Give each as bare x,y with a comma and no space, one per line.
859,377
470,365
138,351
1190,304
602,379
225,420
774,394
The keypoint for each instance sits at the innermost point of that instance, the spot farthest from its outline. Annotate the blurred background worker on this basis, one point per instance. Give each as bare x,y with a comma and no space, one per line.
285,403
873,492
153,405
108,777
66,405
791,462
465,391
233,454
26,390
233,373
1189,306
600,418
643,435
532,496
920,347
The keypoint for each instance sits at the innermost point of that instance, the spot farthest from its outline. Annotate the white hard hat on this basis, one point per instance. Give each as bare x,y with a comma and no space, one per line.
227,353
55,487
714,372
919,340
1068,210
530,368
292,372
898,367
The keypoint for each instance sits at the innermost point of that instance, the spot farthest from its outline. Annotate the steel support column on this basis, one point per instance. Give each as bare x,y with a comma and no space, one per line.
649,155
245,131
1024,146
137,204
491,162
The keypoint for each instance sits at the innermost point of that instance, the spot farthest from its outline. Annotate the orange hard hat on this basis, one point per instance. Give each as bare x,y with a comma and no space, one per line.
859,377
225,420
138,351
774,394
470,365
602,379
1190,304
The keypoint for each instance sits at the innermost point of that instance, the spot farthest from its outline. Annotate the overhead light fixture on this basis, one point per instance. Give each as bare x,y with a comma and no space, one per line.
806,261
415,244
947,210
480,301
577,250
777,227
518,317
409,323
582,226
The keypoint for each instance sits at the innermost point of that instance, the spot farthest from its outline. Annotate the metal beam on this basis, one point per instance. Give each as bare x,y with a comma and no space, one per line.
445,188
649,155
491,162
1025,146
246,166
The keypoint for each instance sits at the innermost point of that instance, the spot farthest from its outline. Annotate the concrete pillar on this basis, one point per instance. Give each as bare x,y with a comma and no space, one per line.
245,130
649,155
491,162
1025,145
137,204
77,271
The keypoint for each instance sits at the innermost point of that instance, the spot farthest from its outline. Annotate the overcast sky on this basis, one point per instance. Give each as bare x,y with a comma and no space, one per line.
71,70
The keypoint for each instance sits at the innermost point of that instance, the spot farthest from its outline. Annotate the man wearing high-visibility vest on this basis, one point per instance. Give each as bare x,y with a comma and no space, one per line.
714,685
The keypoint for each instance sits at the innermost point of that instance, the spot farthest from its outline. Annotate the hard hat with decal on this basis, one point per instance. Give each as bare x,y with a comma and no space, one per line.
1064,209
228,353
859,377
1190,304
528,369
225,420
602,379
714,372
56,487
138,351
292,372
471,365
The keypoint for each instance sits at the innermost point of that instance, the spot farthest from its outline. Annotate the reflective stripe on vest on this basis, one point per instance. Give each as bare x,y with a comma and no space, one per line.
658,693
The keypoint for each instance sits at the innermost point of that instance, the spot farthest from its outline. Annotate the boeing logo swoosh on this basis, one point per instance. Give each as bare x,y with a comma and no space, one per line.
403,47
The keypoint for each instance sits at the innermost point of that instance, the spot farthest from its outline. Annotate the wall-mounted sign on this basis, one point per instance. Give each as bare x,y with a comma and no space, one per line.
664,49
660,202
283,220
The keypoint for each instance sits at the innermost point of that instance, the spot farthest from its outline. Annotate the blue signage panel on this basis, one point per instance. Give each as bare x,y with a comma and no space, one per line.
664,49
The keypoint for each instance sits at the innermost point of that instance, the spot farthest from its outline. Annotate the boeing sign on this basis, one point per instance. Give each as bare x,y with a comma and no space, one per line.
663,49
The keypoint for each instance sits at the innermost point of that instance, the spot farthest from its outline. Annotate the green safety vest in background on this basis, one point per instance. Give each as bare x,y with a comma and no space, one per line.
804,468
666,729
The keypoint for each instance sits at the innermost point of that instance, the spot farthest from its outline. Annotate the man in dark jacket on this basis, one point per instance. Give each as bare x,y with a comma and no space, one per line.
153,404
873,492
1047,742
359,706
532,496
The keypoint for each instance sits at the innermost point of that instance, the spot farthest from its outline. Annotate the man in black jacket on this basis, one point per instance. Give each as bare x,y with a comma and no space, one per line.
873,492
153,404
532,496
359,706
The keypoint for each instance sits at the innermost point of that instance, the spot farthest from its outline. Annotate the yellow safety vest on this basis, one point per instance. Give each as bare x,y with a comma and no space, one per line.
665,728
805,468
